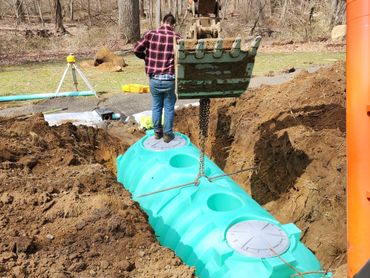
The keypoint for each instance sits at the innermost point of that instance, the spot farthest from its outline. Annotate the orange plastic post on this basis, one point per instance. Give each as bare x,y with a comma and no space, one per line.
358,134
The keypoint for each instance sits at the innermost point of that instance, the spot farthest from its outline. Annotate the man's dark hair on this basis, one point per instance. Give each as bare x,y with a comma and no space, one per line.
169,19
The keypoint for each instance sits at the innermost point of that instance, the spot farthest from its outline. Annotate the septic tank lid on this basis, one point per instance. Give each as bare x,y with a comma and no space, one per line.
259,239
159,145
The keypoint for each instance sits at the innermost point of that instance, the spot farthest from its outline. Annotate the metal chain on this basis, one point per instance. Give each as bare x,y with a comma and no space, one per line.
204,108
297,272
195,182
231,174
167,189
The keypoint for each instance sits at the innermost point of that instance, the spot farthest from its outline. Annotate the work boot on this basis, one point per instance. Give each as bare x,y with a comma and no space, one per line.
158,134
168,137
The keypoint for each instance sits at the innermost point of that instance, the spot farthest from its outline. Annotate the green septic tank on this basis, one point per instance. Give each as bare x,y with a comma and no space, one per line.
215,226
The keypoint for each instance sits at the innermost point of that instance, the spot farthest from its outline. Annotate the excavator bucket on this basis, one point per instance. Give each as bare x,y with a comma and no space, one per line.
213,68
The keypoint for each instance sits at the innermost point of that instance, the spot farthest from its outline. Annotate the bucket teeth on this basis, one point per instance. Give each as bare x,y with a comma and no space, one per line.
181,49
235,49
213,67
218,48
254,46
199,49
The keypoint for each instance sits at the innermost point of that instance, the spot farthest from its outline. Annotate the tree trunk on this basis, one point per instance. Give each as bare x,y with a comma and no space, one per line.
27,12
158,15
179,7
129,20
19,10
51,8
234,6
99,6
175,8
71,10
260,12
89,12
169,6
284,10
142,8
38,6
58,20
267,12
150,12
224,7
334,9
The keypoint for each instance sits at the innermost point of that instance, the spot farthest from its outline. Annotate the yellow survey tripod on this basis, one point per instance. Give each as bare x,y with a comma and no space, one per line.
71,63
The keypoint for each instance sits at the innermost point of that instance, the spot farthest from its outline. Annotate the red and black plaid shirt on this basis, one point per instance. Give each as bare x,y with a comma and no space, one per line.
156,48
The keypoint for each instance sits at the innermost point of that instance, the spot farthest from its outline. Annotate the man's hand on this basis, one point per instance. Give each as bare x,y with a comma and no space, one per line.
141,47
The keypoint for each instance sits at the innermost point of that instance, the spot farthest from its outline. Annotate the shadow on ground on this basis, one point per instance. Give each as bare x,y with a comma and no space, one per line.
279,163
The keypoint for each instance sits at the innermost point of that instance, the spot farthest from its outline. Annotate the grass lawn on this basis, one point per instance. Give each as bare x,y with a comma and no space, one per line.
44,77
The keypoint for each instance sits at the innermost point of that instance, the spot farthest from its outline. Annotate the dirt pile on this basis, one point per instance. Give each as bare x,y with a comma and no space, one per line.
105,60
294,134
62,213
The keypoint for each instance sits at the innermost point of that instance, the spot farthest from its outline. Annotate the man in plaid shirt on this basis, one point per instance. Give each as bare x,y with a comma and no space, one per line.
156,47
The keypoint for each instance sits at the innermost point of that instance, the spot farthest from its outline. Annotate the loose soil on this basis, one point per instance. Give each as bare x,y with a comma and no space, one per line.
62,213
294,134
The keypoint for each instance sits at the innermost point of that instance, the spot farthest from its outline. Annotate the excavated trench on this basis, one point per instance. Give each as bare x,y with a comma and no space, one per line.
294,134
63,212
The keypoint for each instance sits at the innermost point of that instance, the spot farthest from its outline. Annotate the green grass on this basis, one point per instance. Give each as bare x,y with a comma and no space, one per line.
44,77
277,62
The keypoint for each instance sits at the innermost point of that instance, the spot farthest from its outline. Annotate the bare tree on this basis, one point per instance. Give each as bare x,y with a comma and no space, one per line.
180,6
19,10
287,18
285,7
150,12
27,12
51,8
169,5
260,12
158,15
142,8
129,19
234,6
39,10
89,12
267,9
99,6
58,20
71,10
337,14
175,6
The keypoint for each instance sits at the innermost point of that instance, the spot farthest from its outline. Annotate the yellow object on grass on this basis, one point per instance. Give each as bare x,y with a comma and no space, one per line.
146,122
135,88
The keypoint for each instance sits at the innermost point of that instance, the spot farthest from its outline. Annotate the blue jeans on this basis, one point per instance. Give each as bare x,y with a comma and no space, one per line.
163,96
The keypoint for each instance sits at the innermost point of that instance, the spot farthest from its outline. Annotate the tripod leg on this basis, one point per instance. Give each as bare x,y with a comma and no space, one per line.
75,82
85,80
62,80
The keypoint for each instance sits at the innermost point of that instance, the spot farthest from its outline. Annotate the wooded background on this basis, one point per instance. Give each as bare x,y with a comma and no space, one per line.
307,18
